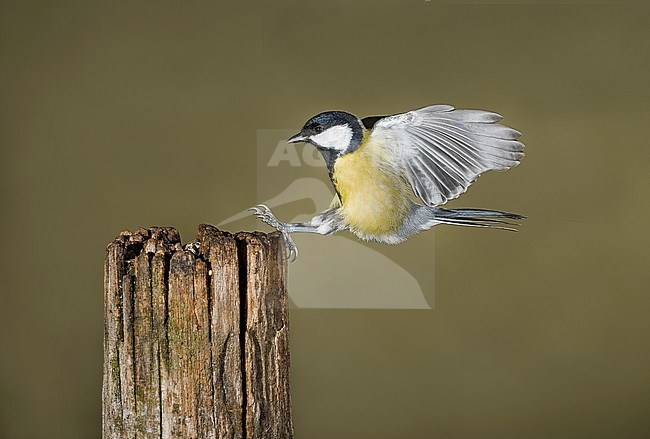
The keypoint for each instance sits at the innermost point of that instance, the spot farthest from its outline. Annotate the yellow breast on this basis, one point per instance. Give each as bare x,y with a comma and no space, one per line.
374,201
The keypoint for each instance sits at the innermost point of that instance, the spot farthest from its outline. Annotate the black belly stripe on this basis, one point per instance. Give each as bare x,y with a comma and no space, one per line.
330,156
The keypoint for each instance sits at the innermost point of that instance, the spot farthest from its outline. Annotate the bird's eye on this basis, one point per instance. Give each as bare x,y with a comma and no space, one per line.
318,129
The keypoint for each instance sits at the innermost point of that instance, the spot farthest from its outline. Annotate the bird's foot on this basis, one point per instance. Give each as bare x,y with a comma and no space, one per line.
263,213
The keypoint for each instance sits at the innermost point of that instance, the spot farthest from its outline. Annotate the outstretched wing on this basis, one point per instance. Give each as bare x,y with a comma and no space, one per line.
442,151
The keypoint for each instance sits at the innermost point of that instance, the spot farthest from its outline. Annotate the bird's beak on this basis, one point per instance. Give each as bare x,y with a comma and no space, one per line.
297,138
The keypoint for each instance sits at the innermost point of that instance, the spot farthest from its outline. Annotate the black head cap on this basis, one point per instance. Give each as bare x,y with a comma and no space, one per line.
319,124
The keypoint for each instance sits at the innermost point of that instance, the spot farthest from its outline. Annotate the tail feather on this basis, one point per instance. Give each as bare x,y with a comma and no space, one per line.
477,218
483,212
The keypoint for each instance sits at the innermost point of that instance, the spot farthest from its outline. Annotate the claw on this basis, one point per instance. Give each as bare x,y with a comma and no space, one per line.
264,213
292,249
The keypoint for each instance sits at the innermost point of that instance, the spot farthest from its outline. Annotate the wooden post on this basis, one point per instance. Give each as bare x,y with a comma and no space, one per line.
196,346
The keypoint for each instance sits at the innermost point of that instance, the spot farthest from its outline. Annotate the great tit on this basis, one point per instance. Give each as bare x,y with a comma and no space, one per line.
376,165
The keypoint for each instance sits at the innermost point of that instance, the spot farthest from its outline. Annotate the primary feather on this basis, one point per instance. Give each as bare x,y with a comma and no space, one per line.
441,151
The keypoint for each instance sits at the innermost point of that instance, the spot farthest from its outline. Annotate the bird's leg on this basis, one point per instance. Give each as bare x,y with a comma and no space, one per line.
324,224
264,213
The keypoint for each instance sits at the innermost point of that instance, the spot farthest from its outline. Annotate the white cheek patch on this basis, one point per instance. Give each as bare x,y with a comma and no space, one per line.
337,137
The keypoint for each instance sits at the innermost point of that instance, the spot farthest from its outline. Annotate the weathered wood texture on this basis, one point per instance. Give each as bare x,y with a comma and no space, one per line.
196,346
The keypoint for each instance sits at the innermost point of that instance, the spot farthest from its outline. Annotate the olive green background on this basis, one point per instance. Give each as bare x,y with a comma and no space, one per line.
124,114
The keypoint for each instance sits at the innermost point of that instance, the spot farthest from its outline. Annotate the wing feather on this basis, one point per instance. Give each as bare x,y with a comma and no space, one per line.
442,151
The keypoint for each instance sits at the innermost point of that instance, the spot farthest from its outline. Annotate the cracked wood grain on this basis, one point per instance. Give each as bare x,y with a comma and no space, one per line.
266,337
196,346
221,252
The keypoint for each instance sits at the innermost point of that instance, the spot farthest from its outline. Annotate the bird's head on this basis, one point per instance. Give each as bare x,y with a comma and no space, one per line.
332,131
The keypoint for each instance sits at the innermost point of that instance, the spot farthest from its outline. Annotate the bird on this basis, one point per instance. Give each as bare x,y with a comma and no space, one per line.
391,174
